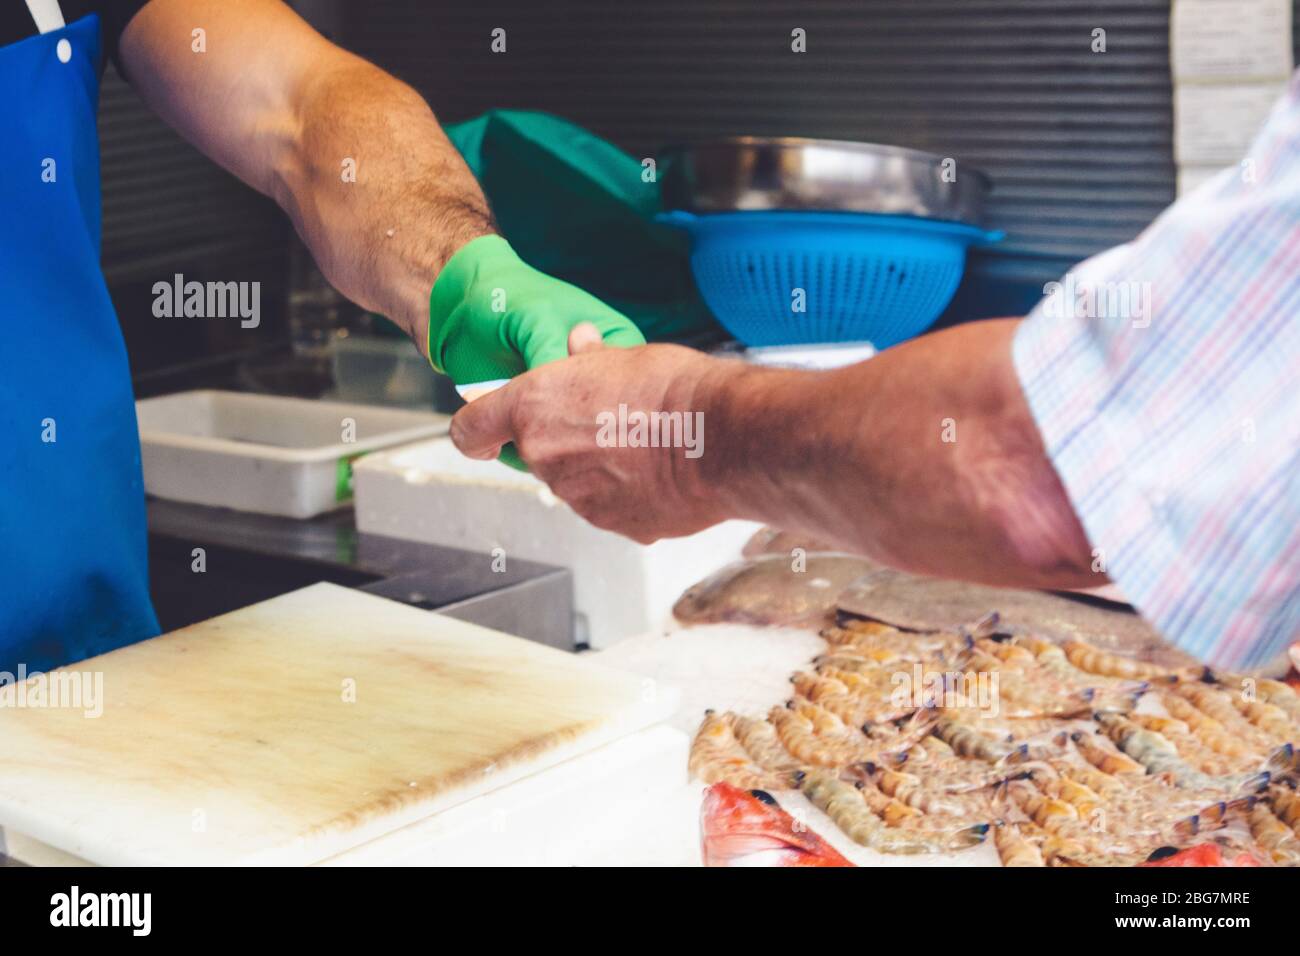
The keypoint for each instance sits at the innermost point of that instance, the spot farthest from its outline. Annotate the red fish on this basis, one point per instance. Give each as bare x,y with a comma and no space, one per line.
749,828
1203,854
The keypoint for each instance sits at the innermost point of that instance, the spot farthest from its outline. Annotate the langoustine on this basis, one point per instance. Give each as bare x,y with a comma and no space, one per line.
799,736
1094,660
1067,839
966,741
1274,836
1014,848
717,756
1159,756
1149,781
928,795
844,803
1217,703
1190,747
1286,805
761,743
1208,730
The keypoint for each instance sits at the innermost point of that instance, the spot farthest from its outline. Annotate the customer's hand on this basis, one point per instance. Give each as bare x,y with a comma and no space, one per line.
586,425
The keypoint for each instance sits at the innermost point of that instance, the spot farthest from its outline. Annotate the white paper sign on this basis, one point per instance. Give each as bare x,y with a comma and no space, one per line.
1214,125
1230,39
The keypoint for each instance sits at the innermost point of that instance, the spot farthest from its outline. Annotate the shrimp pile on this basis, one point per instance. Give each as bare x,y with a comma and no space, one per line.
1066,754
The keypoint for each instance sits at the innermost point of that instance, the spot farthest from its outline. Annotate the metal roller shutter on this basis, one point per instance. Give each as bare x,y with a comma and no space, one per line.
1077,142
166,205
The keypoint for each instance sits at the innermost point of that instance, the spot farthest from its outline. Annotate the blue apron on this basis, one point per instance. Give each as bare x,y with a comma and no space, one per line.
73,574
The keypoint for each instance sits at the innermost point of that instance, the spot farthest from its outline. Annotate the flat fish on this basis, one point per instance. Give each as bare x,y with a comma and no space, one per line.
917,603
775,541
769,591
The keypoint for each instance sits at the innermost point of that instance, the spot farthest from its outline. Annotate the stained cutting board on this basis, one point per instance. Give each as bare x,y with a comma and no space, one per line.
235,740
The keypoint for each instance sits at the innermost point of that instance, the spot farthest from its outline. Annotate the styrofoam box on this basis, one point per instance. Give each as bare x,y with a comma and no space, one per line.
430,492
265,453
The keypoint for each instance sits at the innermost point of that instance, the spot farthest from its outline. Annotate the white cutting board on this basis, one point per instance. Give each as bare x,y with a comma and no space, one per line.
231,741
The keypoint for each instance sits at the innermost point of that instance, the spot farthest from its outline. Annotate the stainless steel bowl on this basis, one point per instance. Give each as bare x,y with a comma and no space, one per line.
780,173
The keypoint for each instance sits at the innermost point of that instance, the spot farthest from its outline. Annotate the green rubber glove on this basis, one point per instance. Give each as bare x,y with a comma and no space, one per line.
493,316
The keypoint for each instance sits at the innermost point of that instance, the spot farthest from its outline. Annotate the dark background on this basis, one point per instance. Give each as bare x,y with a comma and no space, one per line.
1078,144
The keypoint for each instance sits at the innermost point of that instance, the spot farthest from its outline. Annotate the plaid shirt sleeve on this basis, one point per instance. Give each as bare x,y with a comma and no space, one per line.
1164,377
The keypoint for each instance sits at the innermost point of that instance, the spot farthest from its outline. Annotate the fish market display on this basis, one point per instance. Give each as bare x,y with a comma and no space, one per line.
774,590
1057,750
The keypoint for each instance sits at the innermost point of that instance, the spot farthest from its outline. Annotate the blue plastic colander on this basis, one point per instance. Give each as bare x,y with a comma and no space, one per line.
864,276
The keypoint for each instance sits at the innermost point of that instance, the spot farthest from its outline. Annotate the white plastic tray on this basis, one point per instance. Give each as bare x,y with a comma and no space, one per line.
430,492
265,453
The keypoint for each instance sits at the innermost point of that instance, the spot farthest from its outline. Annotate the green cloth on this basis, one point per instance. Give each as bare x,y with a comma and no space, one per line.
577,208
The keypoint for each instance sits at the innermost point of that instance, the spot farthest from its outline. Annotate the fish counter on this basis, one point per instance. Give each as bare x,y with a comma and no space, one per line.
736,669
901,720
801,708
843,714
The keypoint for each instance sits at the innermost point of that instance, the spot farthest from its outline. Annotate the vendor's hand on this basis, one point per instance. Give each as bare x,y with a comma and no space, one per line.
493,316
564,421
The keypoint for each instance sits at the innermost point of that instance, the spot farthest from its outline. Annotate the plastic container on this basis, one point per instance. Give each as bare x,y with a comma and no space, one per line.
430,492
787,278
376,370
265,453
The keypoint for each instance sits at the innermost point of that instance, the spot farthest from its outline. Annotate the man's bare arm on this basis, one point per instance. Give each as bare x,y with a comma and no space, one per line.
855,456
283,109
926,457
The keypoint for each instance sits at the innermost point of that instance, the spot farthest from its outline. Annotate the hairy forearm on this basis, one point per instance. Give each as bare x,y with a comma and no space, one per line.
354,156
377,191
925,457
